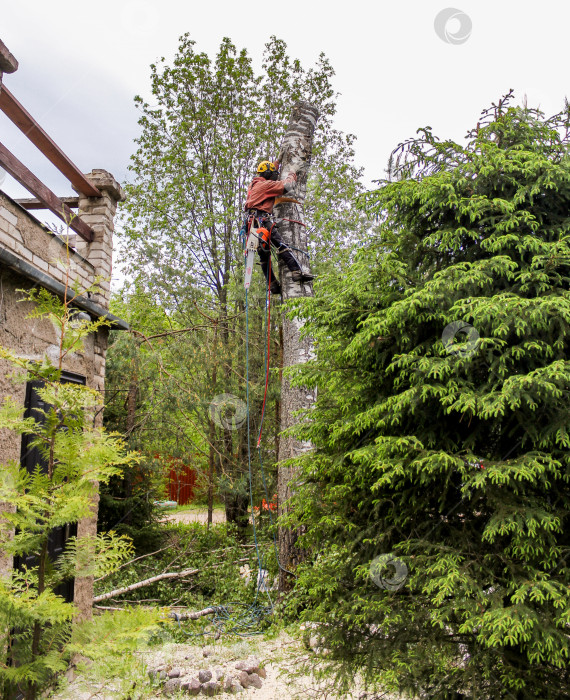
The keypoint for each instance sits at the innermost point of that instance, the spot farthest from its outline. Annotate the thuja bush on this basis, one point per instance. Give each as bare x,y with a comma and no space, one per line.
436,498
36,634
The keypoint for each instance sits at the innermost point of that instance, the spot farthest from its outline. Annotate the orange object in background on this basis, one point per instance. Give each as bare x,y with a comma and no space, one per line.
266,506
265,234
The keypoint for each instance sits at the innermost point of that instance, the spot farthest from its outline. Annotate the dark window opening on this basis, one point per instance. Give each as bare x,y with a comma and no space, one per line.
31,458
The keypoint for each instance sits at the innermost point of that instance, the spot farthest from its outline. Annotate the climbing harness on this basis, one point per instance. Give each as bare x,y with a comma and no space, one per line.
255,232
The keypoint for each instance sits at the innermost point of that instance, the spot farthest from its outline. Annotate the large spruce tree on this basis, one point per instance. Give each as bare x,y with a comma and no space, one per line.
437,495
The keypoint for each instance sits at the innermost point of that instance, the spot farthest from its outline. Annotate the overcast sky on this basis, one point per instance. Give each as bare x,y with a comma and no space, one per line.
81,63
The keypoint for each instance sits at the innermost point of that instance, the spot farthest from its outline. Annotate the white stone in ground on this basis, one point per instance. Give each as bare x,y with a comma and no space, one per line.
278,656
234,678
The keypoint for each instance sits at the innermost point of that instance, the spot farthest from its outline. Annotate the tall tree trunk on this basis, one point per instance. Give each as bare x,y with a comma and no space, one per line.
237,501
131,417
295,154
212,431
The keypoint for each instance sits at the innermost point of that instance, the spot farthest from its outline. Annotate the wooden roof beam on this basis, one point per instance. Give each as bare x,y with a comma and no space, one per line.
28,125
34,203
51,201
8,63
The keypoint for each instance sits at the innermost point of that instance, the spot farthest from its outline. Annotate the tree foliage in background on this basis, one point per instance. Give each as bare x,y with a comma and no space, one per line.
437,496
208,124
135,409
171,425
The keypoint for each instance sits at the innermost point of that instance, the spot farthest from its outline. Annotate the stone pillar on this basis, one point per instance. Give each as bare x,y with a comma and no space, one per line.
99,214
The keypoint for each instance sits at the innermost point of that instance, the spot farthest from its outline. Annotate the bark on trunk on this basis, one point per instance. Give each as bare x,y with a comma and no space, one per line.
212,456
295,154
131,417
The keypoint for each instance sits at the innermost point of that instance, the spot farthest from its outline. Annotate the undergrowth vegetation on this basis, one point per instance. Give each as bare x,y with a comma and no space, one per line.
217,556
139,626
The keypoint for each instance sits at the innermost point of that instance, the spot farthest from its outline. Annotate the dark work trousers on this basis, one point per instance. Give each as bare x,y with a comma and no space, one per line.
282,251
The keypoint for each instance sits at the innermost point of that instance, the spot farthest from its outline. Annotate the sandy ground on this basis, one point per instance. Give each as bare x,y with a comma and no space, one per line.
280,656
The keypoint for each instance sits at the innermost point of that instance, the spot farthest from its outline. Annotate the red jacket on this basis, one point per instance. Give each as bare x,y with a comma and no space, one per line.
261,194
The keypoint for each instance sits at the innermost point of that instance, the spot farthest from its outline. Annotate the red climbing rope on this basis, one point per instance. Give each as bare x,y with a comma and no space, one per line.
268,348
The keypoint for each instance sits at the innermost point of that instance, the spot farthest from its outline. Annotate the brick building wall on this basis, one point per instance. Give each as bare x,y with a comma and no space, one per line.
30,256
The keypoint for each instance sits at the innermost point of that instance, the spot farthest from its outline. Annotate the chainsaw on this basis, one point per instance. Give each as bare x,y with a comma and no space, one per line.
251,246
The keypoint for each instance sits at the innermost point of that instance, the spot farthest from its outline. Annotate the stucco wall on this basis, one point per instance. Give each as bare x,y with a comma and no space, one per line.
33,339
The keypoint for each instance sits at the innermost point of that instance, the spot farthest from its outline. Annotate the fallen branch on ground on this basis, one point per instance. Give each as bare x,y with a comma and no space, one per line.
138,602
146,582
193,615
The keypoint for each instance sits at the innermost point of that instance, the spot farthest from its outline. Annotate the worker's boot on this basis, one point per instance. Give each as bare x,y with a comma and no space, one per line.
275,287
300,276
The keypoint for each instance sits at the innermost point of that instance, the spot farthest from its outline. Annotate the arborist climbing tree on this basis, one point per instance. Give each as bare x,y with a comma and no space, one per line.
202,135
262,228
258,230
